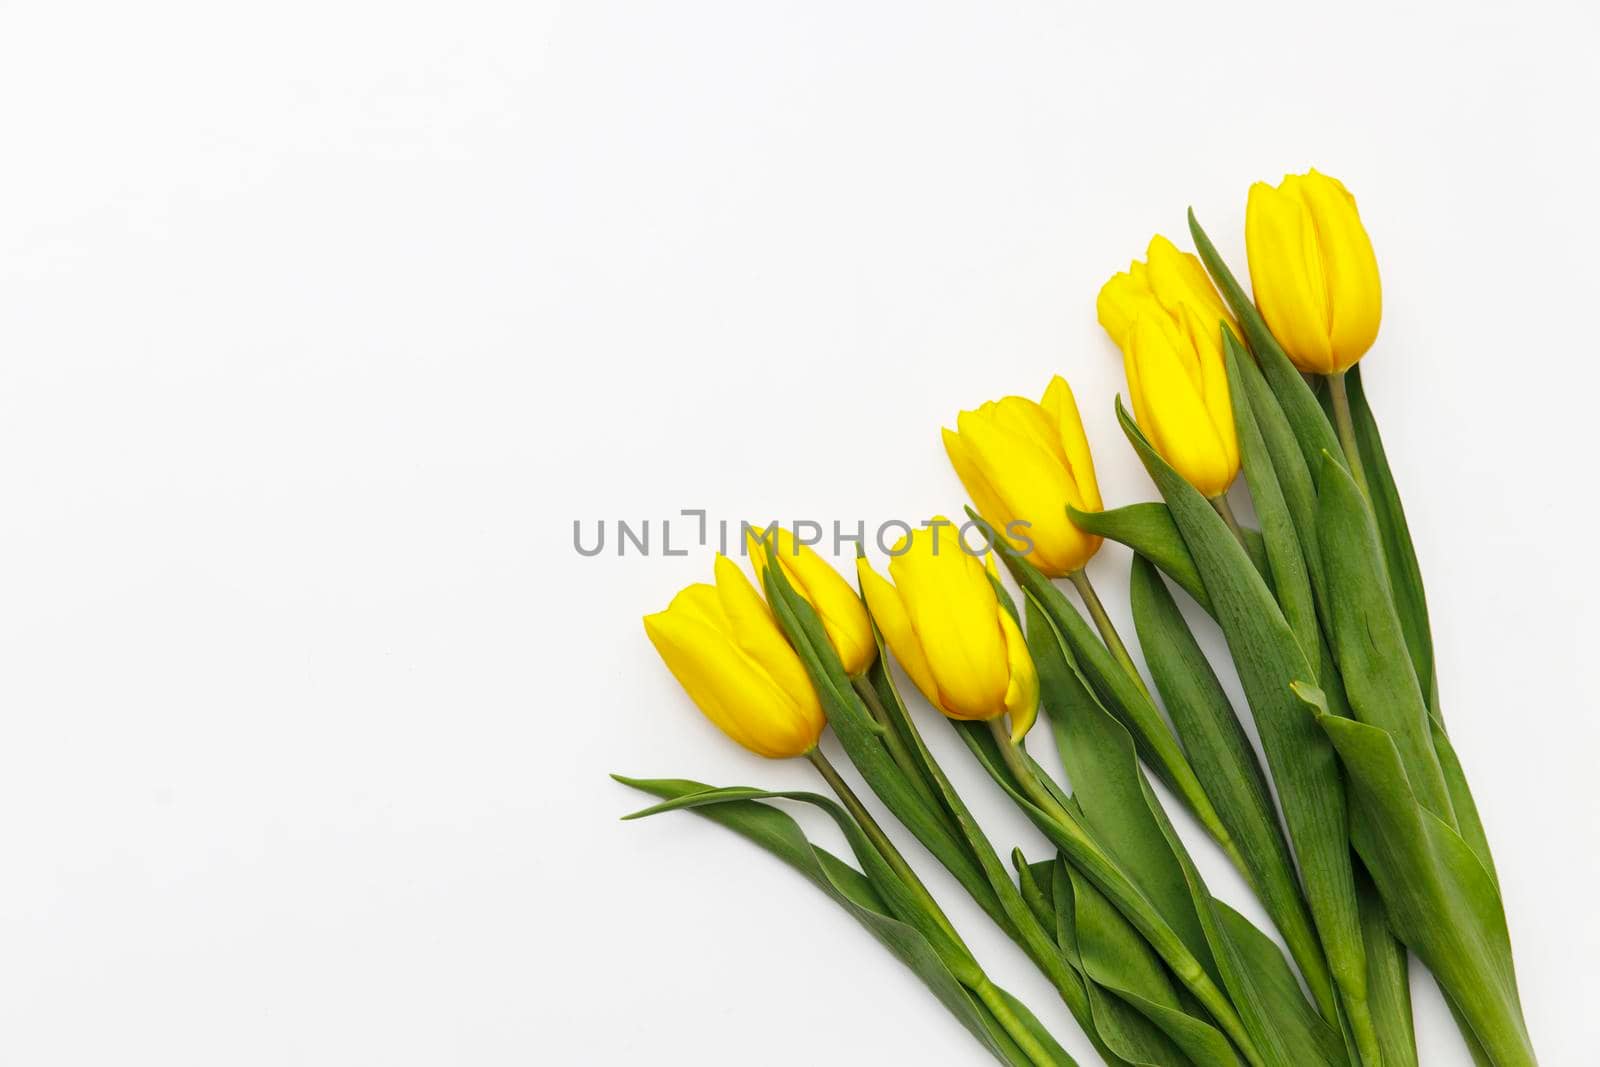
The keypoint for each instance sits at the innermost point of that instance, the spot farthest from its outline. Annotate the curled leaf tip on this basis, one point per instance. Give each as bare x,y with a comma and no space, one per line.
1312,695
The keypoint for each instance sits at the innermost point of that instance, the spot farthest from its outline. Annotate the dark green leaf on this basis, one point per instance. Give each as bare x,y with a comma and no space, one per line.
1365,632
1440,900
779,834
1291,583
1225,761
1268,659
1405,576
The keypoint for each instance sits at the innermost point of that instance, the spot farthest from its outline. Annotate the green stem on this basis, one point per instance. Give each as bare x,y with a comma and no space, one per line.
981,987
1347,430
986,992
892,740
1108,631
879,839
1102,870
1225,509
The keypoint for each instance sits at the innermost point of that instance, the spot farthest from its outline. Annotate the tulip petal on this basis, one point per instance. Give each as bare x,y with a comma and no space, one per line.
952,610
1355,296
1022,692
1179,424
1030,477
1286,272
844,617
730,689
883,600
984,498
756,633
1062,407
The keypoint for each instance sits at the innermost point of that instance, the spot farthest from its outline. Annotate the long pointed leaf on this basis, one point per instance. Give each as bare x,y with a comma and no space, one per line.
1268,659
779,834
1440,899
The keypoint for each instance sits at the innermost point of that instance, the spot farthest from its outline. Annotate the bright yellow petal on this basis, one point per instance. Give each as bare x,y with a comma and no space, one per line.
890,614
756,633
1120,300
1179,281
952,610
730,688
1031,479
844,617
1287,275
1062,408
1175,416
984,498
1355,296
1022,693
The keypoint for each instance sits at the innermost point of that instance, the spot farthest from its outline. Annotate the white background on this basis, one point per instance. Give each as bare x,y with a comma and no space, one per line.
320,324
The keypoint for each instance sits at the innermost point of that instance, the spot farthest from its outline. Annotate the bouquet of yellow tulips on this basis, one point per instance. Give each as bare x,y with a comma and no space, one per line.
1353,824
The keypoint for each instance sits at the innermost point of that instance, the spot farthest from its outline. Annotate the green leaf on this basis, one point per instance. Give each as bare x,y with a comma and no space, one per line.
1388,980
1304,1036
896,894
1405,575
1312,429
779,834
1119,809
1121,694
1148,529
1291,583
1225,761
1268,659
860,736
1365,631
1440,900
1000,896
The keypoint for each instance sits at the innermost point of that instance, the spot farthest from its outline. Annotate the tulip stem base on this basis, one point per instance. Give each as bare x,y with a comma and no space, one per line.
1225,509
1108,631
880,840
1345,425
892,739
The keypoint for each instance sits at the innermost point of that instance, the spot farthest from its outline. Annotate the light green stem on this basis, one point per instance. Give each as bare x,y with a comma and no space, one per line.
893,741
991,998
1225,509
982,987
1108,631
1347,430
879,839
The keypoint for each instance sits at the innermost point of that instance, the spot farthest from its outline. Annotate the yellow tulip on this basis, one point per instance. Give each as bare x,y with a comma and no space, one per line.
844,617
950,632
725,648
1023,462
1168,320
1313,271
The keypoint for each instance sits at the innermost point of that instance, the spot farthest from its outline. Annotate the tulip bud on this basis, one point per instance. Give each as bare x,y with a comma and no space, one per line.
844,617
1023,462
1313,271
725,648
1168,320
950,632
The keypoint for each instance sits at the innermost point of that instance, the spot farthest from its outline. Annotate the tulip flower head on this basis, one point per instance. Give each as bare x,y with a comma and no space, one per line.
1313,271
1024,462
947,627
1168,320
725,648
844,617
